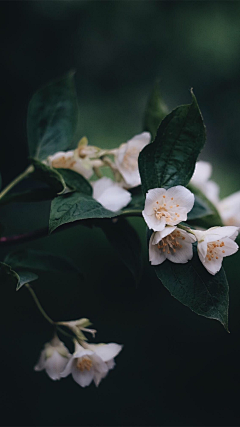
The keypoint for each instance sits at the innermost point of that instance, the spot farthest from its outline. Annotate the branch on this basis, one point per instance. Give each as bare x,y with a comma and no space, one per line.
44,232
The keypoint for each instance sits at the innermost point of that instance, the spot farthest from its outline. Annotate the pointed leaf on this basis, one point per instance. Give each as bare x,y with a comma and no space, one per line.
155,112
76,181
170,159
49,176
45,261
52,118
25,277
193,286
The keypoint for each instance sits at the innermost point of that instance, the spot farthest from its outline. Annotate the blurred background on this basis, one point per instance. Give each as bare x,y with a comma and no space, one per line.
176,368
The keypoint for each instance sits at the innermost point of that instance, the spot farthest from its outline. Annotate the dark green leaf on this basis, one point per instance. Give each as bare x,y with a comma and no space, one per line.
138,200
194,287
76,181
199,210
38,260
126,242
25,277
36,195
170,159
155,112
76,206
49,176
8,277
52,118
210,220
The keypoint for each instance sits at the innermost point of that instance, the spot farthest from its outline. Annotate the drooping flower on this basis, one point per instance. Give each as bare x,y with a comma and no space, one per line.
126,158
171,243
167,207
214,244
110,194
91,362
71,160
201,180
53,358
229,209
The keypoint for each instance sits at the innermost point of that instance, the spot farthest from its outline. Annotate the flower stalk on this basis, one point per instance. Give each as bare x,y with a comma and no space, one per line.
18,179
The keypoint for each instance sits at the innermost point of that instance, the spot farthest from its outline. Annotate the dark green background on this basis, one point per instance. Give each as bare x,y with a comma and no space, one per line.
176,368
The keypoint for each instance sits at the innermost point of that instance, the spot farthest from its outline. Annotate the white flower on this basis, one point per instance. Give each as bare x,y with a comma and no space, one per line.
200,179
229,209
171,243
110,194
53,358
91,362
167,207
126,158
214,244
71,160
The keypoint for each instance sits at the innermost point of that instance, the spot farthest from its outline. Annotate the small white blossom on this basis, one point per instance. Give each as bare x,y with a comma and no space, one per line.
71,160
167,207
53,358
229,209
200,179
173,244
91,362
126,158
110,194
214,244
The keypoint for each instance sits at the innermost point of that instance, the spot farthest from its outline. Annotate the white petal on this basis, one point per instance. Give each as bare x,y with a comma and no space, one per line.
110,194
152,197
212,266
41,362
153,223
83,378
229,209
105,351
181,196
230,247
182,255
202,249
98,376
159,235
68,368
110,364
202,173
156,256
216,233
55,365
211,190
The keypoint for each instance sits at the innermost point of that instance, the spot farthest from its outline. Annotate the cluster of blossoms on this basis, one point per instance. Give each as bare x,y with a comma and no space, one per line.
163,211
123,161
89,362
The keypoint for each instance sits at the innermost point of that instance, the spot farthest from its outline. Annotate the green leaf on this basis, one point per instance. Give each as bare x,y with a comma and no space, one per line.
52,118
25,277
8,277
193,286
155,112
76,181
200,209
76,206
211,219
36,195
49,176
126,242
170,159
38,260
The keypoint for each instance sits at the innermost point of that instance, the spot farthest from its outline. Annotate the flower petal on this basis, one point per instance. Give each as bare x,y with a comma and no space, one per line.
181,196
55,365
182,255
105,351
153,223
212,266
41,362
156,256
83,378
152,197
110,194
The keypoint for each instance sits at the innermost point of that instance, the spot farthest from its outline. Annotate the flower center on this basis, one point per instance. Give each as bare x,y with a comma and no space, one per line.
63,162
130,159
84,363
213,250
171,242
